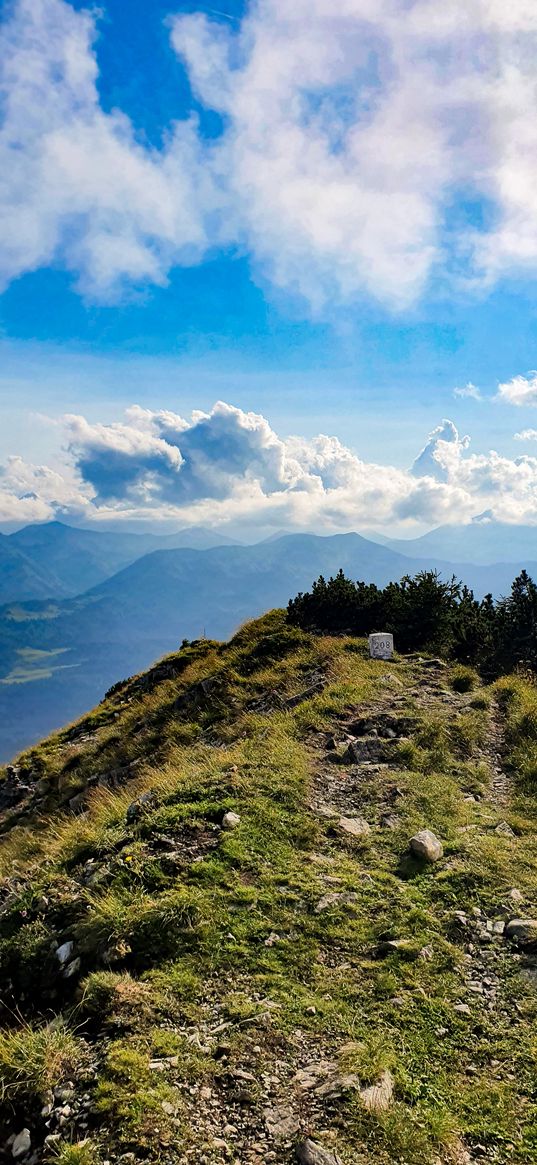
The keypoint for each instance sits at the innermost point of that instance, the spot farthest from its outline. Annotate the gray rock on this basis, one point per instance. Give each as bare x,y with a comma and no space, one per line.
315,1074
281,1123
355,826
22,1144
72,969
141,805
230,820
522,931
398,946
77,804
425,845
53,1140
310,1153
515,895
63,953
355,753
504,829
337,1086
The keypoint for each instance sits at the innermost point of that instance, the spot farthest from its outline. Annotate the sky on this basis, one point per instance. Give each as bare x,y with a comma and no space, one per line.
268,265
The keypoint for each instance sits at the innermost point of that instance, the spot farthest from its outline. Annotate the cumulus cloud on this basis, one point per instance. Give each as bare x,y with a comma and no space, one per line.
526,435
35,493
228,465
158,452
441,453
349,133
521,390
77,185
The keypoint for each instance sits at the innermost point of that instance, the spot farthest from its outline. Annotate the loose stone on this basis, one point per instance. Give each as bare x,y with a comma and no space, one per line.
378,1096
22,1144
334,900
230,820
355,826
426,845
310,1153
281,1123
63,953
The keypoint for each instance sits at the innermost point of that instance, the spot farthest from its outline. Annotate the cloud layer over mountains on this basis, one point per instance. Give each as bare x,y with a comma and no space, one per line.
230,465
365,146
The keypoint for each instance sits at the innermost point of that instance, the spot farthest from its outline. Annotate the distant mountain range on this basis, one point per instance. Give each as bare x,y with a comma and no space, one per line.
59,655
52,560
483,542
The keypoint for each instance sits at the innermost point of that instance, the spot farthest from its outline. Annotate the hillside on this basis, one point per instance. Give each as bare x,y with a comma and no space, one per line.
23,579
58,658
68,559
216,943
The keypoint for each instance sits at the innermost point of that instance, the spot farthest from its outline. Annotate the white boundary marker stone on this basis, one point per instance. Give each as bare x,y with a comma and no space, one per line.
381,645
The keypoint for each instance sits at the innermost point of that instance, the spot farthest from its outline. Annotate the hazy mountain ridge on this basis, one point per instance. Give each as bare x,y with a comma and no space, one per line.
58,658
54,560
21,578
484,542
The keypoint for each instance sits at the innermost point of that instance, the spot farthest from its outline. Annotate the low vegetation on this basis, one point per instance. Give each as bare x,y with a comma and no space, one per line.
237,983
429,613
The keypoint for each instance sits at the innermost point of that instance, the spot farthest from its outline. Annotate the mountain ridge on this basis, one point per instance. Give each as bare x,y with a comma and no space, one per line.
216,939
56,658
482,542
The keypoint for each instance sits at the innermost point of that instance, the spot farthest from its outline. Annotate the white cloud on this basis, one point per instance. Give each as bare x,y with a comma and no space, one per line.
350,131
526,435
521,390
77,185
441,453
230,465
468,391
35,493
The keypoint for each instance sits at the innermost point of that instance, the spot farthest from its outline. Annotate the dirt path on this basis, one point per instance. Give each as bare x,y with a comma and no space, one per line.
499,792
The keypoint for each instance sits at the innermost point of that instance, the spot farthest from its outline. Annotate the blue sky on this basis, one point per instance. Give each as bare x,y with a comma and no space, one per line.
286,211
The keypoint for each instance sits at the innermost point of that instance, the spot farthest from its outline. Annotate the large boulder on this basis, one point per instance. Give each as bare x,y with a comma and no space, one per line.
523,931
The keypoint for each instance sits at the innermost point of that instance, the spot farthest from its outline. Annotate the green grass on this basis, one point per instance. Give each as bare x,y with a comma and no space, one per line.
34,1058
84,1152
463,679
204,951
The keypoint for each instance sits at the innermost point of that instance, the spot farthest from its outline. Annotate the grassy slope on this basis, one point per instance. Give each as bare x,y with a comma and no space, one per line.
208,977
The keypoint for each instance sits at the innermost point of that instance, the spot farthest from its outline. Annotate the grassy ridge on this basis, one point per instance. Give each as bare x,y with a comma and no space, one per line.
204,952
